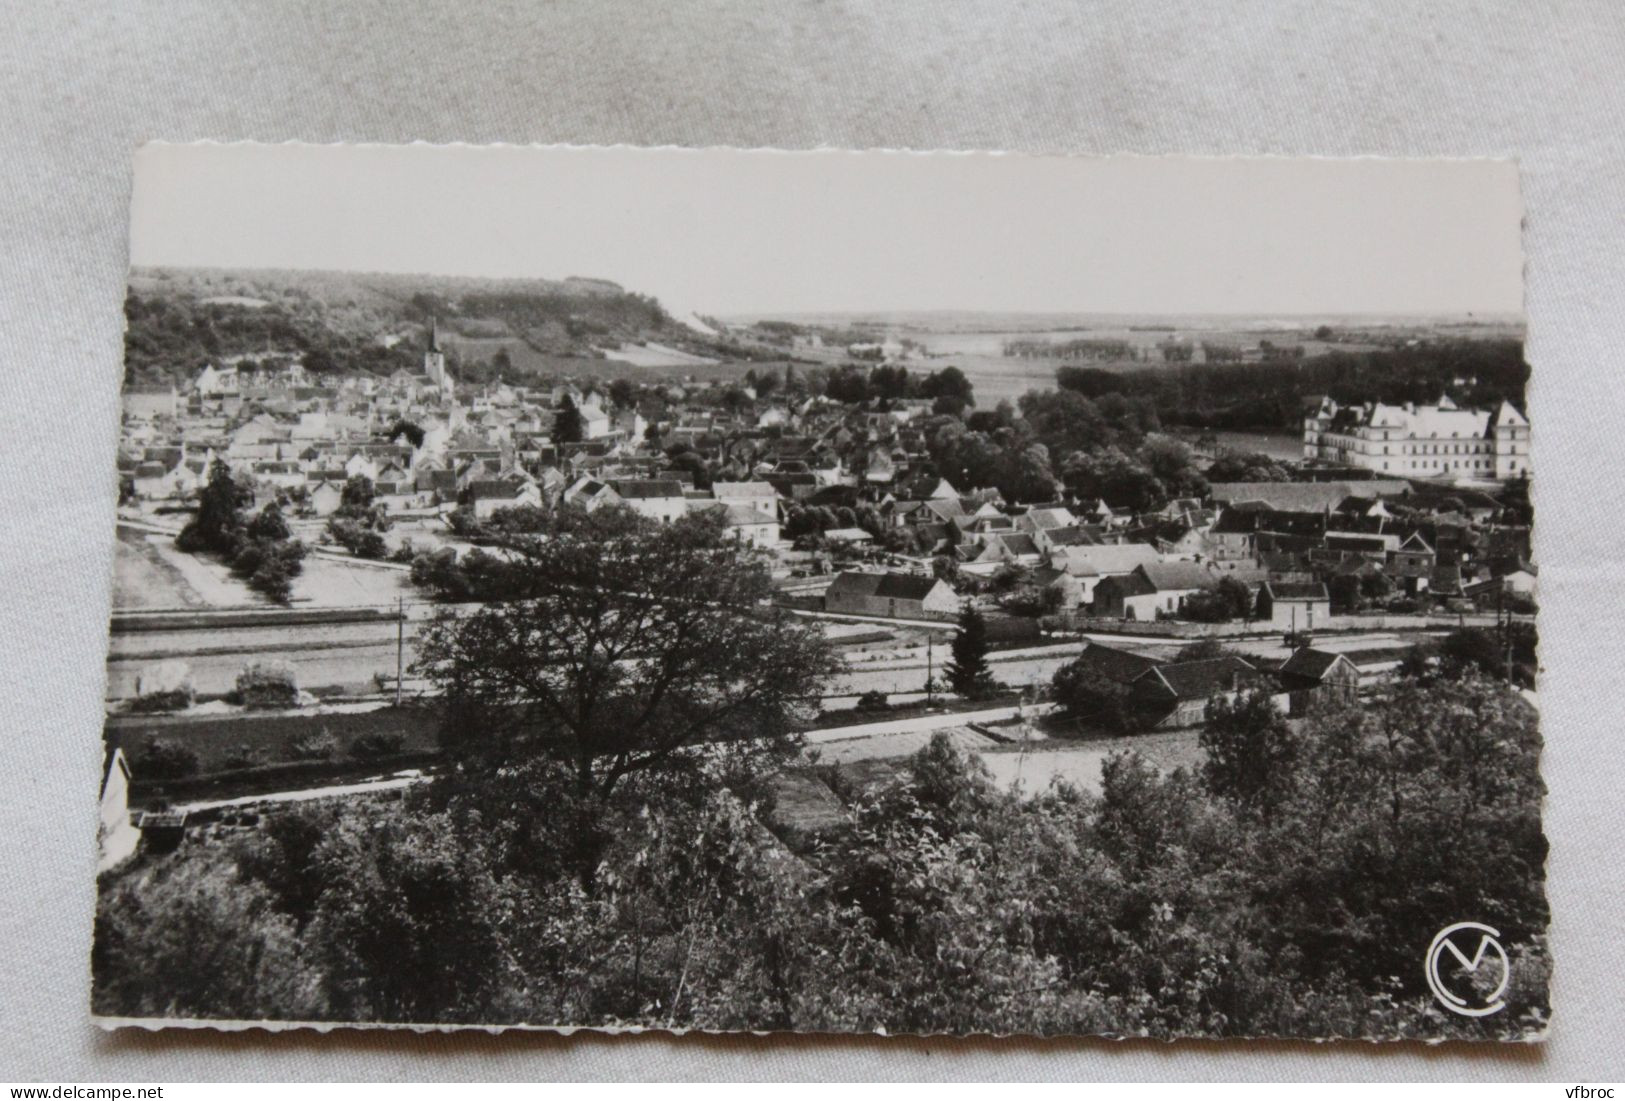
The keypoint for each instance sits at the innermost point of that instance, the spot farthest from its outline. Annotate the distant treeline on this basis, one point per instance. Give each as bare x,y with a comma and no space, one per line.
1270,395
1093,350
835,336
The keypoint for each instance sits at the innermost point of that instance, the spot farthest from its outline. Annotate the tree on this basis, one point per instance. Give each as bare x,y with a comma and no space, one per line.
1171,462
968,672
623,393
1118,479
219,520
1490,652
357,496
1344,590
1089,697
686,458
622,645
190,938
849,385
1239,467
412,432
1238,596
1024,474
1251,751
1091,382
1065,421
1206,606
950,383
268,524
568,424
1220,603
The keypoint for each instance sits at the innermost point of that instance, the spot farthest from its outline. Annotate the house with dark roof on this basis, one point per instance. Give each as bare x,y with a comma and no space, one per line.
894,595
1120,667
1014,547
1315,678
589,493
1289,605
659,499
1411,564
486,497
1177,693
1303,496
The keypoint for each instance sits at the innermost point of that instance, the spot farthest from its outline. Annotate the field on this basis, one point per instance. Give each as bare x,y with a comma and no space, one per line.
655,355
1033,769
809,800
149,574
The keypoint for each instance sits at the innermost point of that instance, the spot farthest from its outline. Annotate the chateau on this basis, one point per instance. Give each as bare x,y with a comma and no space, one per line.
1441,441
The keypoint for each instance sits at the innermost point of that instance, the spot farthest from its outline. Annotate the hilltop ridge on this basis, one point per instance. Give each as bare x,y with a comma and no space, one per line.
181,318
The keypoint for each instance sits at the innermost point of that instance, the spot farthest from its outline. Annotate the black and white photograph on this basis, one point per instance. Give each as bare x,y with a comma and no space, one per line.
844,592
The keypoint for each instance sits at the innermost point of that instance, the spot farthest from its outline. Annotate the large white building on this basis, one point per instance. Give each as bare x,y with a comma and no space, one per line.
1441,441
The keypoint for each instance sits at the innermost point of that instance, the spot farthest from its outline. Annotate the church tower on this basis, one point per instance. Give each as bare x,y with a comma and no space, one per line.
434,360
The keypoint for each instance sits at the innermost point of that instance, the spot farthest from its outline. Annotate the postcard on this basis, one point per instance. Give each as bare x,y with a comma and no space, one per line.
856,592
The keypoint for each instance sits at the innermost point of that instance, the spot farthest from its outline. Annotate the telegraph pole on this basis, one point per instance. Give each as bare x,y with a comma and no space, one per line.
1503,623
400,646
930,691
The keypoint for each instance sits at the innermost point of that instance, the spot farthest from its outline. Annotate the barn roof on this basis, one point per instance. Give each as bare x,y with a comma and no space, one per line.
1116,665
1310,662
1197,680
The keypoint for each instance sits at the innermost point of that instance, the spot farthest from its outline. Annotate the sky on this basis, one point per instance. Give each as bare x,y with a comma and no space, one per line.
751,232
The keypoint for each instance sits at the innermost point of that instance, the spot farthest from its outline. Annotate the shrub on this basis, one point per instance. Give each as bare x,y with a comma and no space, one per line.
1091,698
1206,606
873,701
382,743
268,685
178,699
313,745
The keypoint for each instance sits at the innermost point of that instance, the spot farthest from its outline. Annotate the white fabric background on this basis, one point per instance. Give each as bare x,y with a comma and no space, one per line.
82,83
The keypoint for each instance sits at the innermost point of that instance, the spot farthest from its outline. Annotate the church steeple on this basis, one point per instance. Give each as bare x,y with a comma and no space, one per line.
434,360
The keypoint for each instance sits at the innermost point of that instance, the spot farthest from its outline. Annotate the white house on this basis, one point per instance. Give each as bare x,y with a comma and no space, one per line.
659,499
750,526
215,381
488,497
1091,564
759,497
